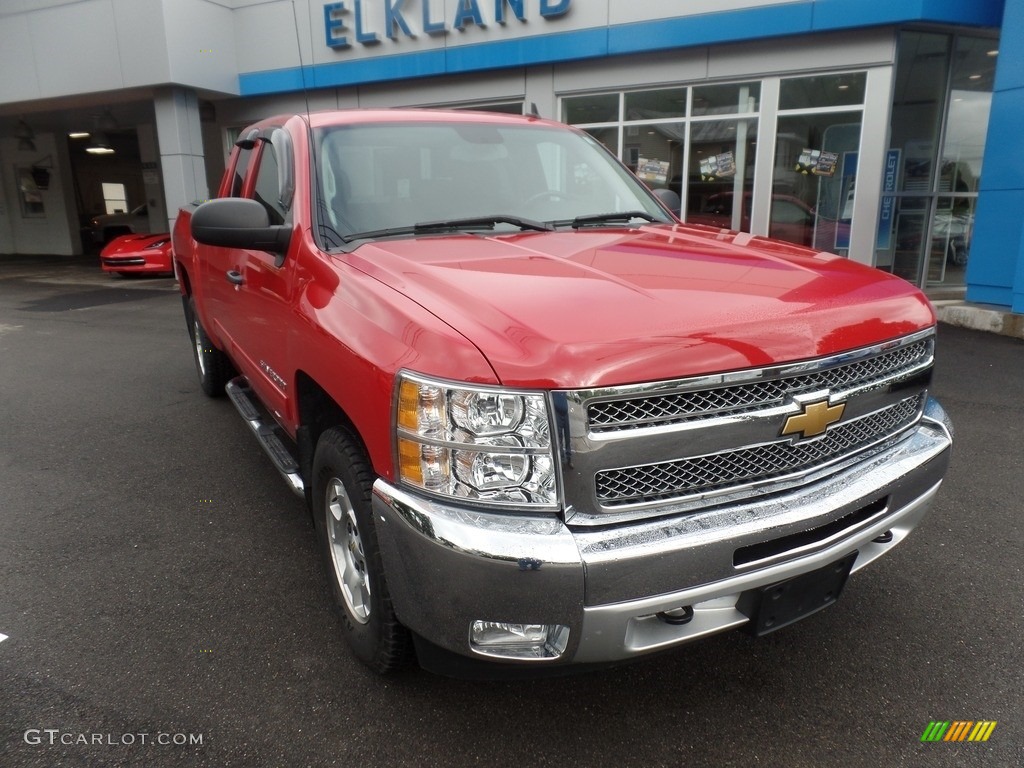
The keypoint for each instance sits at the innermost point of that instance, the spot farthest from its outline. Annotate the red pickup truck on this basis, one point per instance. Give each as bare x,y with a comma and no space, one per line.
540,422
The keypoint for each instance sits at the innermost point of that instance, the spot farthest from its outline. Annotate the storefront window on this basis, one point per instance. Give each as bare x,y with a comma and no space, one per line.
814,179
592,108
816,153
650,136
730,99
941,101
963,147
655,153
702,143
822,91
918,98
721,172
950,238
646,131
610,138
650,105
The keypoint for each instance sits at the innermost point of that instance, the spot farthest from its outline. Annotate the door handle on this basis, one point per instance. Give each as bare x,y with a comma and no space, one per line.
234,276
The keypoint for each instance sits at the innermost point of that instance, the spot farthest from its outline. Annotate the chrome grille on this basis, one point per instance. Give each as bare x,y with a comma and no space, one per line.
730,469
676,408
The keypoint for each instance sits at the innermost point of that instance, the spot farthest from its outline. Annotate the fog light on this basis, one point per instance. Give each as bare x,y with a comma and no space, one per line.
518,641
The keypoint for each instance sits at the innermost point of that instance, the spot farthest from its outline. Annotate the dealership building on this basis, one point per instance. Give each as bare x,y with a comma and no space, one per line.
886,131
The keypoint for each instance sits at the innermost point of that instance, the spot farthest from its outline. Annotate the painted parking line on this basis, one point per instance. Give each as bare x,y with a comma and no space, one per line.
2,638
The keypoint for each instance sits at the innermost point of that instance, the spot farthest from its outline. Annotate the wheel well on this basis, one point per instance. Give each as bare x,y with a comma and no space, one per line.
186,284
318,412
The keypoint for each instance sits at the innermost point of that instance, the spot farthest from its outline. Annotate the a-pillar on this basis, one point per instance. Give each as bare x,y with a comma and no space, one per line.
181,148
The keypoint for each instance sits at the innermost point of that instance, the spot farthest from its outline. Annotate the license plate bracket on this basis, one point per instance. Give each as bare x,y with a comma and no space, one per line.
786,602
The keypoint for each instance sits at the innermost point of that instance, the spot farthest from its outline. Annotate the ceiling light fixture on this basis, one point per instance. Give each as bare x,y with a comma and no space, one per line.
100,145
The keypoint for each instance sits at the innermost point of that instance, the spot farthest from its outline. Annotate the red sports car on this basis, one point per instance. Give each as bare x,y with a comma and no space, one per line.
138,254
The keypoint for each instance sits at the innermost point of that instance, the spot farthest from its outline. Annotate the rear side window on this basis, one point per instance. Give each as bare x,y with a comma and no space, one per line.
274,180
242,157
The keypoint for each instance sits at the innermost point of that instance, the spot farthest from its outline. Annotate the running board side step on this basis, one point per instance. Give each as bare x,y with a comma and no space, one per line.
267,434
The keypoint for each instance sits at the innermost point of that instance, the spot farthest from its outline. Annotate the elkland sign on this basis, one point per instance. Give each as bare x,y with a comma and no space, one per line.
359,21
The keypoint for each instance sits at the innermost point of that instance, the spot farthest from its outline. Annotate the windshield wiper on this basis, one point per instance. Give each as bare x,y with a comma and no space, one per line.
451,225
484,222
608,218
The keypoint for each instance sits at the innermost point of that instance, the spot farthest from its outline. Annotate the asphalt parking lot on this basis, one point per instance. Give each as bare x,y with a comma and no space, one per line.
162,600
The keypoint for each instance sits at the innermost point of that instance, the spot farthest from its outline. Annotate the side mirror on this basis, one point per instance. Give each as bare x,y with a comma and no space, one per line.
238,222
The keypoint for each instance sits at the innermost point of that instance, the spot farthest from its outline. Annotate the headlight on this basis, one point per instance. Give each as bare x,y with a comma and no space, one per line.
157,244
475,443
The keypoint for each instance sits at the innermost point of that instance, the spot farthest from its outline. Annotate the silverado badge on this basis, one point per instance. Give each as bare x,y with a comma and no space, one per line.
813,419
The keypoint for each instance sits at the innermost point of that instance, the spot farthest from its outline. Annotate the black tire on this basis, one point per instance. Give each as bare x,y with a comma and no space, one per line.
213,366
342,482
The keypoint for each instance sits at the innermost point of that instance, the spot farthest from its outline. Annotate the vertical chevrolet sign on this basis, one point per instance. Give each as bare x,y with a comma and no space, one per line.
887,208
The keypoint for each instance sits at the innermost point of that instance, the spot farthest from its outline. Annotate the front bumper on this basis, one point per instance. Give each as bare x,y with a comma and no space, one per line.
448,566
137,263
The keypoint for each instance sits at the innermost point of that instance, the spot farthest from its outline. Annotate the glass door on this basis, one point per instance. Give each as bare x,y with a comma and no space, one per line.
941,103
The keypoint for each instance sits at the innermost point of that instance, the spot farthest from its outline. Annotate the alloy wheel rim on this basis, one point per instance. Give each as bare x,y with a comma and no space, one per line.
197,340
347,552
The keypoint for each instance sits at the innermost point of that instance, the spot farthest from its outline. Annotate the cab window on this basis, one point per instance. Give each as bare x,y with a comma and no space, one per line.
267,190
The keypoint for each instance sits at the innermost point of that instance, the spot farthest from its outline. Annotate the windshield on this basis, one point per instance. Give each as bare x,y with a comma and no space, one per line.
384,179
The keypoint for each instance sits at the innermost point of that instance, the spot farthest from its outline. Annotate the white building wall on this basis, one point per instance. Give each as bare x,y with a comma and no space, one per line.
56,231
202,48
90,46
82,47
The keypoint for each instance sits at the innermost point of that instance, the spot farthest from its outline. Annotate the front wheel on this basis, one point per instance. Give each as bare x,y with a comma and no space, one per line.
212,365
342,483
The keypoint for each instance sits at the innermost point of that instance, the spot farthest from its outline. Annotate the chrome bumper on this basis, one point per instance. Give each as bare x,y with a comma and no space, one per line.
448,566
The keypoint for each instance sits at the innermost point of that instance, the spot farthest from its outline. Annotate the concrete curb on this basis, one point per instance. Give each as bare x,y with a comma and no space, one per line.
980,317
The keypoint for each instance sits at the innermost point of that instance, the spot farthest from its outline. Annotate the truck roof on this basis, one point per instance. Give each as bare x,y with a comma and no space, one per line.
323,118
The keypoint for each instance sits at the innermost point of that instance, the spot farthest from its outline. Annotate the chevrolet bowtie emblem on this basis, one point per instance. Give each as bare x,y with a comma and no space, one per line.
813,419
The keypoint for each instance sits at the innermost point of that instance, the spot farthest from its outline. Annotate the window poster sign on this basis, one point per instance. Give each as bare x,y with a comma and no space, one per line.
720,166
29,195
817,162
652,171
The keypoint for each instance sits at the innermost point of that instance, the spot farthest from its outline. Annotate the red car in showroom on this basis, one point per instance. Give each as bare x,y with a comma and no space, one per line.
138,254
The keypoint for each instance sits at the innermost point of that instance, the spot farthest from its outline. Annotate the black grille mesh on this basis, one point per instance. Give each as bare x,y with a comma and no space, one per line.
662,410
720,471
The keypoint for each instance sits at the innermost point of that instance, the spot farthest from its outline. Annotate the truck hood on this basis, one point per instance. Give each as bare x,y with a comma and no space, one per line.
576,309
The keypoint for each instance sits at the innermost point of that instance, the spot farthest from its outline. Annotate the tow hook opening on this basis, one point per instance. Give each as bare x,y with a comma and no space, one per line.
885,538
677,616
